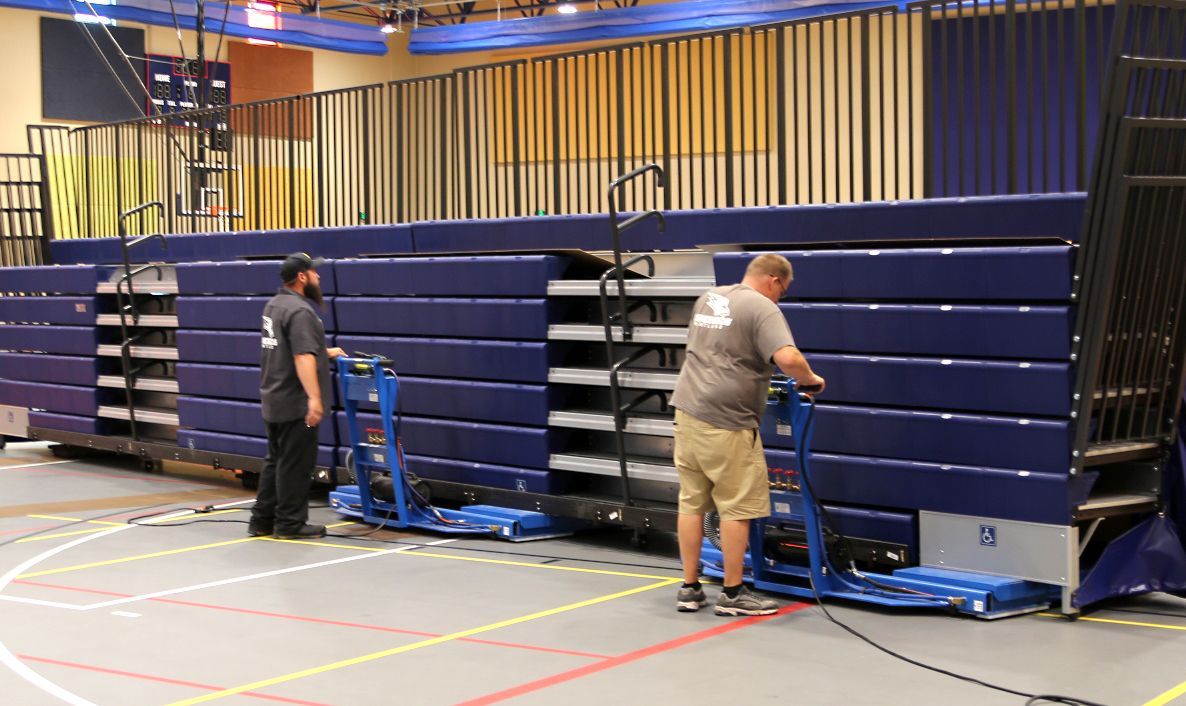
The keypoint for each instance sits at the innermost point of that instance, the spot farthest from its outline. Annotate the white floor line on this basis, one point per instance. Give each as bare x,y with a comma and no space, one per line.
34,465
239,579
7,657
44,604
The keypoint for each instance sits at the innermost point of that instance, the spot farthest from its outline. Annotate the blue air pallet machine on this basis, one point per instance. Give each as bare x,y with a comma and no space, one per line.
809,570
379,455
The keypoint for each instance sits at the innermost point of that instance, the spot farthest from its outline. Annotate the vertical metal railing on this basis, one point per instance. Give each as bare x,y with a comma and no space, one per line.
934,98
24,211
1129,345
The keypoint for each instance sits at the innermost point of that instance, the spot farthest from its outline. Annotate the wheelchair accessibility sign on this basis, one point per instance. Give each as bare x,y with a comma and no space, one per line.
988,536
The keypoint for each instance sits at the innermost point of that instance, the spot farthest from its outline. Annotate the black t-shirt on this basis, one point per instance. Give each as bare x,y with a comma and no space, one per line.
291,326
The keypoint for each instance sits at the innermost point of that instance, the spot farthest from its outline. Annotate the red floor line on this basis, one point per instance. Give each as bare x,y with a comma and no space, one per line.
32,529
322,621
537,685
163,680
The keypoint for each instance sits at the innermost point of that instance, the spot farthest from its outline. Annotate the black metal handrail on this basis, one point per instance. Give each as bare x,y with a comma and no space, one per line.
130,308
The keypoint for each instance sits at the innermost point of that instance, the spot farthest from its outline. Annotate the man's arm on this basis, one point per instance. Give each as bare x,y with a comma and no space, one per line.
792,363
306,368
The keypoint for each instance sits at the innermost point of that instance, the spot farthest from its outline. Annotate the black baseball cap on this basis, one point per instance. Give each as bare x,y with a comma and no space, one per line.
297,263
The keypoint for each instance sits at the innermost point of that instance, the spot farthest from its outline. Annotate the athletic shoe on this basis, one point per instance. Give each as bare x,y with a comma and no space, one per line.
303,532
745,603
690,599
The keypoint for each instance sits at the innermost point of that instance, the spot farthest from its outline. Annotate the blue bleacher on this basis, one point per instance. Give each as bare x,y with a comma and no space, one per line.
218,381
241,277
73,423
507,403
1003,273
40,367
76,311
1015,332
67,399
233,313
235,417
527,447
53,279
255,447
488,474
234,347
63,340
479,276
883,525
514,361
518,319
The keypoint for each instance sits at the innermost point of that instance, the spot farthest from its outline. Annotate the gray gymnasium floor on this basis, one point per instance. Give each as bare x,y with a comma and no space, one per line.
97,611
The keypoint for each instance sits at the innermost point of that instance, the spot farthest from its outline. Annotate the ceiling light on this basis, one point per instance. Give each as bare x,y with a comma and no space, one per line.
567,8
390,21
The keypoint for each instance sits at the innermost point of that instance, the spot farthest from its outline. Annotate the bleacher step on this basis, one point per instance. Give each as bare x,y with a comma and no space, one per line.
149,320
653,425
145,415
642,468
636,379
671,335
153,352
147,383
657,287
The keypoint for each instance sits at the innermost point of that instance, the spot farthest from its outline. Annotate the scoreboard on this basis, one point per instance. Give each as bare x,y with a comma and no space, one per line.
173,83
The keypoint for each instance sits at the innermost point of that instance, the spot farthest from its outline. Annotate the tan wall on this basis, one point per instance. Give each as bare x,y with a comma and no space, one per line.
20,82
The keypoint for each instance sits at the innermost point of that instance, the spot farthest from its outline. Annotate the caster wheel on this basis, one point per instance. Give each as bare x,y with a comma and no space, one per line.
250,480
641,539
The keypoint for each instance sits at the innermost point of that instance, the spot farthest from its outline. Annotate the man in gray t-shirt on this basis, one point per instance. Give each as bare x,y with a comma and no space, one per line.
736,337
294,389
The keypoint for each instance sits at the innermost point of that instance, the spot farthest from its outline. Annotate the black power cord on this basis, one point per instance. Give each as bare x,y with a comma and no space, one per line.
1033,699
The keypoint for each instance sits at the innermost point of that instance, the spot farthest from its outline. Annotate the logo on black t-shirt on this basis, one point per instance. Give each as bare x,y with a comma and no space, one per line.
269,339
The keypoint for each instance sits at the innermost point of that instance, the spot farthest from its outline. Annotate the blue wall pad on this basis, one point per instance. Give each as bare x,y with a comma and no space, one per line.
237,347
258,277
516,361
234,417
39,367
319,242
68,399
52,279
1024,216
1018,332
72,422
243,445
883,525
996,442
1004,387
233,313
460,318
77,311
587,232
468,441
482,276
507,403
1031,273
919,485
67,340
486,474
228,381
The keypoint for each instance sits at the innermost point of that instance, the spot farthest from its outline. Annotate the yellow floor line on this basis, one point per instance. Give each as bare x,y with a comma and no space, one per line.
109,562
1135,623
323,544
184,518
75,519
262,684
1168,696
59,535
340,524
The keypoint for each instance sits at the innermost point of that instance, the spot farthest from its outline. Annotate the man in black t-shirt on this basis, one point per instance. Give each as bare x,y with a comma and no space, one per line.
294,388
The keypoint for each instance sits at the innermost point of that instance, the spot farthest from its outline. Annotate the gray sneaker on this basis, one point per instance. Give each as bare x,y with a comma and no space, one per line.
746,603
690,600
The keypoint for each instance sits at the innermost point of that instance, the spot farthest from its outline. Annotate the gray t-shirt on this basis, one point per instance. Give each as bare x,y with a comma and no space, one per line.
291,326
726,375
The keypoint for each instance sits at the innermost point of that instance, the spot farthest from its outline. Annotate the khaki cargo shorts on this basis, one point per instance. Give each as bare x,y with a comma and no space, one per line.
720,469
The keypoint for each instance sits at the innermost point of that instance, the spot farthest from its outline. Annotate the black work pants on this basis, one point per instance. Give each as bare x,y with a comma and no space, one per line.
282,501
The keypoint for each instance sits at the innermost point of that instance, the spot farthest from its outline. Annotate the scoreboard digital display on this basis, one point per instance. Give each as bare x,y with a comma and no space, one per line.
173,83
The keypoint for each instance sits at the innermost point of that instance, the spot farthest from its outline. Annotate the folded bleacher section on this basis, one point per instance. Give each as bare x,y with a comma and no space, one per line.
48,346
219,305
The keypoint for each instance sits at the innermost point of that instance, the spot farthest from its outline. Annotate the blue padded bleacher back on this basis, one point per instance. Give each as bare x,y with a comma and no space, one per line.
235,417
446,318
40,367
995,442
251,446
52,279
587,232
72,422
480,276
468,441
518,361
236,347
881,525
1017,332
64,340
487,474
1008,494
1003,387
233,313
76,311
1007,273
507,403
1022,216
219,381
239,277
67,399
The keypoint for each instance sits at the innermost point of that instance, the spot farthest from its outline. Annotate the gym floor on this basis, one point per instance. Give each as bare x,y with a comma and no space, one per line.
94,610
